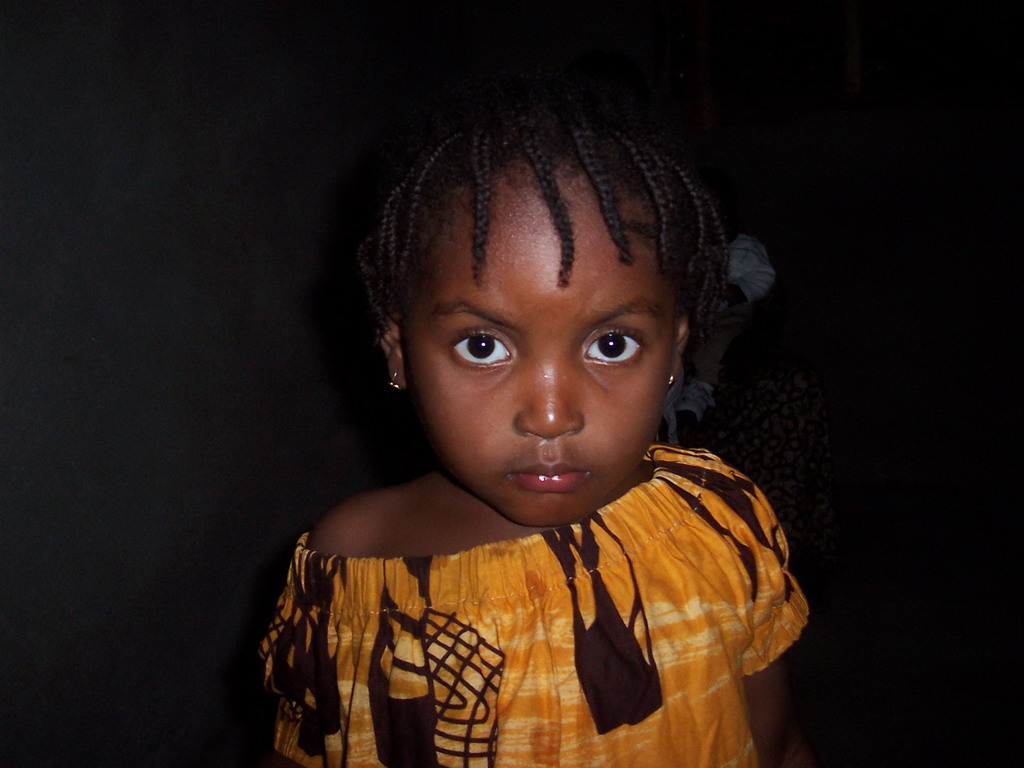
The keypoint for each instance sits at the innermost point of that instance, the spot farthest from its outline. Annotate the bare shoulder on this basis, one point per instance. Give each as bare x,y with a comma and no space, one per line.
426,516
360,525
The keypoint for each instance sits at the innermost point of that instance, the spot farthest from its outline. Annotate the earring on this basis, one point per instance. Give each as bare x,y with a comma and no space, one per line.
393,384
671,380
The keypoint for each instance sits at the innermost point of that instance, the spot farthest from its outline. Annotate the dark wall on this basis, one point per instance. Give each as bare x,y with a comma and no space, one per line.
895,230
170,178
176,179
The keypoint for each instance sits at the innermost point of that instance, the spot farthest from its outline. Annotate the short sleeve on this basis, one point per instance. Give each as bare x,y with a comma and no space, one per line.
746,541
298,653
780,610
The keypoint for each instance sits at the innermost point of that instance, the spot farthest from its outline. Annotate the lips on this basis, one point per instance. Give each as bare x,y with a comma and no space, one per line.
549,478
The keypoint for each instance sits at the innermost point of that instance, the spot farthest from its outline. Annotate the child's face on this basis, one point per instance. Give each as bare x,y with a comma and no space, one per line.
539,400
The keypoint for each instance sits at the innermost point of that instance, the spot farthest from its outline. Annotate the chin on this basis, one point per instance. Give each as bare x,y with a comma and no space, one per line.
541,513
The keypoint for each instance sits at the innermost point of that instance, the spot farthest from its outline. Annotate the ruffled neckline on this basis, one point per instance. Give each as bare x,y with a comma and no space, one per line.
531,540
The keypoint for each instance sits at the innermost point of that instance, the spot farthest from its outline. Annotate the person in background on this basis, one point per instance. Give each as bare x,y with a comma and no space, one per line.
750,277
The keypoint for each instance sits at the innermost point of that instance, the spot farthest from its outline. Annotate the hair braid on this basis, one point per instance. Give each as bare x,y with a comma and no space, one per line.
481,199
545,174
555,128
650,173
710,238
376,262
606,198
415,196
585,142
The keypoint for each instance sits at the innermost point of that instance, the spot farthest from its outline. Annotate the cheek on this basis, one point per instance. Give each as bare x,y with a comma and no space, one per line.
628,411
457,415
647,407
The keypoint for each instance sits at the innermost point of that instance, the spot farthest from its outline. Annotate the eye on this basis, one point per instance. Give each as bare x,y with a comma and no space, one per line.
613,348
483,349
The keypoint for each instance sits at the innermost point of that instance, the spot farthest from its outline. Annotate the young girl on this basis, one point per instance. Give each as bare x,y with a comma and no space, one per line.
559,591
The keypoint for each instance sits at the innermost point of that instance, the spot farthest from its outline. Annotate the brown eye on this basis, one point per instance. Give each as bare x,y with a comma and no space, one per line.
613,348
483,349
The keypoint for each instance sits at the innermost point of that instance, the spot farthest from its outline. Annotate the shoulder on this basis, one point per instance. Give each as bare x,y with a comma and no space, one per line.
421,517
721,495
697,465
360,525
738,530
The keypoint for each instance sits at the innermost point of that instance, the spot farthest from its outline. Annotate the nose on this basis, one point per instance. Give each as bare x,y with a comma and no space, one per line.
549,404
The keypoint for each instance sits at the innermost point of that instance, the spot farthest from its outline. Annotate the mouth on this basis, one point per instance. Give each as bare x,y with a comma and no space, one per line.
549,478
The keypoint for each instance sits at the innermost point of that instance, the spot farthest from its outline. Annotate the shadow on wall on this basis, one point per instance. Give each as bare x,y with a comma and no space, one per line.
381,418
384,419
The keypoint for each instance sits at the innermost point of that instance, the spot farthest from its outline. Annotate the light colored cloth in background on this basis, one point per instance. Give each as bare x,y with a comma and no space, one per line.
749,268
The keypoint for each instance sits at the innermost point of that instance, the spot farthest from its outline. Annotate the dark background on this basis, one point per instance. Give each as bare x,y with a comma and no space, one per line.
179,399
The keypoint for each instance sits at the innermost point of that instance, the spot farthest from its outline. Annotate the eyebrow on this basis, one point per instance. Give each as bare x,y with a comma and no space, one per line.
635,307
462,307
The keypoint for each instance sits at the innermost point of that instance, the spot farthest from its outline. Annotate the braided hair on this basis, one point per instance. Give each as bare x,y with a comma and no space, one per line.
549,124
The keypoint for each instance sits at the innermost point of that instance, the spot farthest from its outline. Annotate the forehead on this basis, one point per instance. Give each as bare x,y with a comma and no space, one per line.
522,244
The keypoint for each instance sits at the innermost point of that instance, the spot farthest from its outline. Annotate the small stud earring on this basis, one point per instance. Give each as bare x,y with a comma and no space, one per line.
393,384
671,380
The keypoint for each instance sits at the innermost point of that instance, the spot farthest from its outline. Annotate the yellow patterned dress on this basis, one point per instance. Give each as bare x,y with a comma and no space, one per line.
621,640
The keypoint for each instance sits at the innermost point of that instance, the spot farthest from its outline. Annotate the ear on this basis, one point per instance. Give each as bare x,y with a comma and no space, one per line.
682,336
391,345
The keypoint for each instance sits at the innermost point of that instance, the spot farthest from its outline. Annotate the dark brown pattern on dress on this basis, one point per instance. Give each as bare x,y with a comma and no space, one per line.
619,677
455,672
738,492
302,667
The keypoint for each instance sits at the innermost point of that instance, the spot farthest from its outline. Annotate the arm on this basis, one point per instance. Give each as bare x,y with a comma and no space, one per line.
777,735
